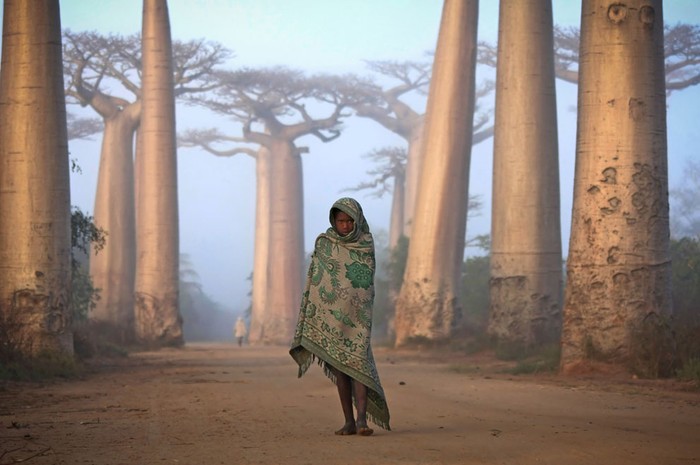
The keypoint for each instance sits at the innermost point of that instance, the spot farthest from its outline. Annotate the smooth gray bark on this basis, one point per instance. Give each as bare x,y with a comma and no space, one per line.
617,295
526,257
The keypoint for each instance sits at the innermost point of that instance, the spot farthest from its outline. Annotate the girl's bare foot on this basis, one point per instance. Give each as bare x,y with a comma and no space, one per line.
363,429
347,429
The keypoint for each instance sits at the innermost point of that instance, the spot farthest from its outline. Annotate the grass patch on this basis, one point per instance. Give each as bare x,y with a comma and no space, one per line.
43,366
544,359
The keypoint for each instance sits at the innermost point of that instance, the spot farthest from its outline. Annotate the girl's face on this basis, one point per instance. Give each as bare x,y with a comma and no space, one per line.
344,223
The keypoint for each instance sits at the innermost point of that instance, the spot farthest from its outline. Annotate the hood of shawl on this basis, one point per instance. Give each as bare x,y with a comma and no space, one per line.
353,209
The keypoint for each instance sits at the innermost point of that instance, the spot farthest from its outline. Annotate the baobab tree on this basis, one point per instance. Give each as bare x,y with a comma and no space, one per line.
393,112
35,230
682,56
211,141
112,270
274,107
93,63
618,268
427,305
394,107
526,257
156,311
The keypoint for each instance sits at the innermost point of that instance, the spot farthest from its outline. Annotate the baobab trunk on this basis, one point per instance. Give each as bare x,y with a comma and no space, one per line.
35,230
618,271
397,210
526,259
413,170
285,259
427,306
112,268
158,320
261,253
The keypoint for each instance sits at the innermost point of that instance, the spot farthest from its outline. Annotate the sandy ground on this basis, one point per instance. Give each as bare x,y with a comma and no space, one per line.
220,404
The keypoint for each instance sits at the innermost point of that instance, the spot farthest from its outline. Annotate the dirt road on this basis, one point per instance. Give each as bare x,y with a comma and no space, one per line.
220,404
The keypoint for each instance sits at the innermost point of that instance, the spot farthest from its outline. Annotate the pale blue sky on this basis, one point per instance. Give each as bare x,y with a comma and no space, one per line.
217,195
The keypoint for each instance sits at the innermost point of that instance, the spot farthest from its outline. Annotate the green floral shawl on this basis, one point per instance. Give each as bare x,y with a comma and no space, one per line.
335,318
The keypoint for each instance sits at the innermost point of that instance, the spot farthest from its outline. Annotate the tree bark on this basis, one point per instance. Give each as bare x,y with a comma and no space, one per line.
286,245
398,197
35,230
260,291
428,305
526,257
112,269
618,269
158,320
413,170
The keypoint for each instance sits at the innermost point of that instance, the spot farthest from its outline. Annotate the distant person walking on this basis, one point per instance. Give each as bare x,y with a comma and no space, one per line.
240,331
335,319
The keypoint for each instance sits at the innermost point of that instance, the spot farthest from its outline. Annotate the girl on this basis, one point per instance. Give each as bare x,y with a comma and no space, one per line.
335,319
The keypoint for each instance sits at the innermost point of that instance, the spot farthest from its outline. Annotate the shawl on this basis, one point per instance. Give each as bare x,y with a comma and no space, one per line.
335,318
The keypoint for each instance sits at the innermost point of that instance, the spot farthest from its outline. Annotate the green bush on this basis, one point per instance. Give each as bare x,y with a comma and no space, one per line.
84,233
690,371
685,324
476,297
43,365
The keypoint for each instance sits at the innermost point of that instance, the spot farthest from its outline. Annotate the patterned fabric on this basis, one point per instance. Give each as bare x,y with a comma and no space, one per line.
335,318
